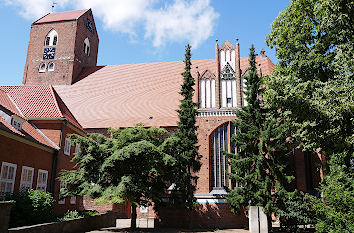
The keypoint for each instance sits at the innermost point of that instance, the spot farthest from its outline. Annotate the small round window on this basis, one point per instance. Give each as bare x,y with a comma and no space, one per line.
42,67
51,66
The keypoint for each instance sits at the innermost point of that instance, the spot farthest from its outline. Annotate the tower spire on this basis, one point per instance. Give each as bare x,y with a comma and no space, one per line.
53,5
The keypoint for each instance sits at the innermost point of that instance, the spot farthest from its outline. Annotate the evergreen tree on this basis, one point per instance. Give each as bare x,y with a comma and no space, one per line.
183,145
260,165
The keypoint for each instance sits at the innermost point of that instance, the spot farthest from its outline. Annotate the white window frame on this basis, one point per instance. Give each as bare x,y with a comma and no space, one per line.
42,185
25,185
6,179
51,36
67,146
16,123
73,200
61,200
51,69
40,69
87,47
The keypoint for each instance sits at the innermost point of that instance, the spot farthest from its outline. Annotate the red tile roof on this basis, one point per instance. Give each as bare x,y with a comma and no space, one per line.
123,95
28,132
61,16
39,101
7,103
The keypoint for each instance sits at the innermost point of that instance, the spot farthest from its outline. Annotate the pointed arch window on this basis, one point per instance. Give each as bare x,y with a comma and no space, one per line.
87,47
220,141
51,38
42,67
51,66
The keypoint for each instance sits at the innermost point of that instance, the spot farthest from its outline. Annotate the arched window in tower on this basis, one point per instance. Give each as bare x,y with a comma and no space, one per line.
87,47
51,38
42,68
220,141
51,66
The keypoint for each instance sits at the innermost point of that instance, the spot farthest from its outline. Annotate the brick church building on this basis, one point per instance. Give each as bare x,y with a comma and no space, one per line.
64,91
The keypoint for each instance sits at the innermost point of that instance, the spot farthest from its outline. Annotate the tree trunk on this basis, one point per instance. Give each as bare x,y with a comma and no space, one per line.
133,219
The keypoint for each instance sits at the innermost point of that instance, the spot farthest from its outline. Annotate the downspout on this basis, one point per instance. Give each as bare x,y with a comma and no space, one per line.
55,161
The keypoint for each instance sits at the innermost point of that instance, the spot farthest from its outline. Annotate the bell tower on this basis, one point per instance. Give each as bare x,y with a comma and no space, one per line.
61,44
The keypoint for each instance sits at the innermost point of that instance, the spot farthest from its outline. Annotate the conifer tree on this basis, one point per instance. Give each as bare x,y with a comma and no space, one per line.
259,167
183,145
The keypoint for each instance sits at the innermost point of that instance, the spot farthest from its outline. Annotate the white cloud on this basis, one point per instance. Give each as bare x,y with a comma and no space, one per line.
34,9
180,20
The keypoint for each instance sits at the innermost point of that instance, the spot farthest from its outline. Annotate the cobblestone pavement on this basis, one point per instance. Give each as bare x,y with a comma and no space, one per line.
147,225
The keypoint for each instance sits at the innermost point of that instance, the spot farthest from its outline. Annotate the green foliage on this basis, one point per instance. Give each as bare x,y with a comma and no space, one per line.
183,145
335,212
294,210
312,36
130,166
31,207
260,165
74,214
70,215
312,89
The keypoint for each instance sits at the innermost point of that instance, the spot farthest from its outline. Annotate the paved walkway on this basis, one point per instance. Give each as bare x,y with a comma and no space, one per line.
147,225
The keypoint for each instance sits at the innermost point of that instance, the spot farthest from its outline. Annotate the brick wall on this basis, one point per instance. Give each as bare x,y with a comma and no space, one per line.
64,162
206,125
207,215
69,55
22,154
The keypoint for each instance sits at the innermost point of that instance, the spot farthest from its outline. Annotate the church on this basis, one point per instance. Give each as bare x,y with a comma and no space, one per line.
64,91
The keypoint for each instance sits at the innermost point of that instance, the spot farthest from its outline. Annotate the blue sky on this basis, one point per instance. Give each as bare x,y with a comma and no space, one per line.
137,31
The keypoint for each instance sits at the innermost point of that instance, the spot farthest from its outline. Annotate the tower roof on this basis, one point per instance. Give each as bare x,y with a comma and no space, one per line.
61,16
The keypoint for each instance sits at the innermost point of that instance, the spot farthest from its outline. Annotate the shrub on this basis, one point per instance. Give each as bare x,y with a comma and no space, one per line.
31,207
294,210
69,215
335,210
74,214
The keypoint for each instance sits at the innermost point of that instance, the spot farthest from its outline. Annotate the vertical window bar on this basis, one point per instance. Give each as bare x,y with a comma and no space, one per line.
222,139
212,156
225,159
217,158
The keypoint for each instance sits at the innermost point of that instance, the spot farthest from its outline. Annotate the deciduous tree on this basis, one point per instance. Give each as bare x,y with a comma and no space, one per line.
130,166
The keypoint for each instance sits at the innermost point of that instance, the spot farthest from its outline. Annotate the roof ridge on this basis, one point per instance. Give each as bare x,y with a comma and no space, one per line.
13,102
44,136
83,13
41,18
55,100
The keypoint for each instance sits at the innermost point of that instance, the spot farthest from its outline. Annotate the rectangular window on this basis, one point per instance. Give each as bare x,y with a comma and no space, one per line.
61,198
7,177
26,178
228,100
77,149
73,200
67,146
42,180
